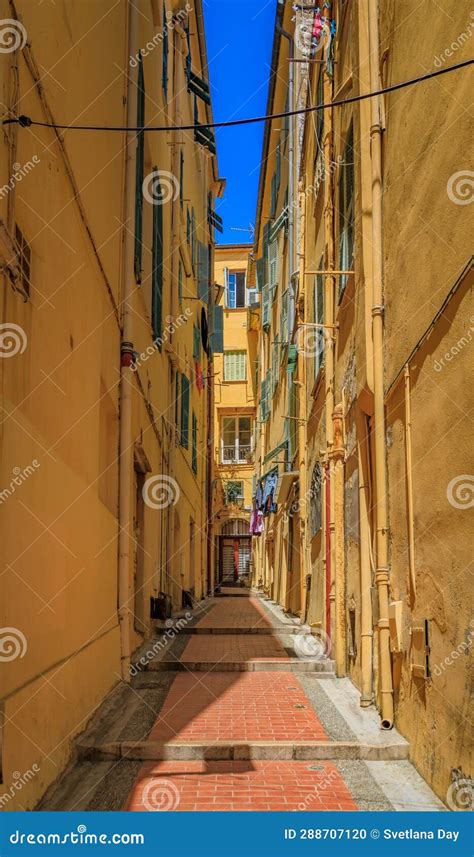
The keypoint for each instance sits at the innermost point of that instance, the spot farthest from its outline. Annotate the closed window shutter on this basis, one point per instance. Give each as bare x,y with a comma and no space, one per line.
284,317
235,366
260,273
157,270
266,306
275,366
319,318
273,266
176,403
346,211
184,411
139,168
203,271
196,342
217,336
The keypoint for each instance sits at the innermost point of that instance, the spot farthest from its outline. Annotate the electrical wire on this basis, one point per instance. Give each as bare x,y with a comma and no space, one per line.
26,121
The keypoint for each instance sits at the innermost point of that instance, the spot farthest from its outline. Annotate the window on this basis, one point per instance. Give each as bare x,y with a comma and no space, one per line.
157,267
284,318
236,440
234,492
273,266
315,495
184,436
24,259
139,168
235,289
194,462
235,365
346,211
164,73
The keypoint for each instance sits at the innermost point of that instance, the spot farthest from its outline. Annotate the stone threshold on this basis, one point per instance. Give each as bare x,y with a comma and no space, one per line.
323,668
242,751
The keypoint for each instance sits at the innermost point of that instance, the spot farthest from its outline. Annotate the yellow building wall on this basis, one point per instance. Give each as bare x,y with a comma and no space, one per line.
60,394
233,397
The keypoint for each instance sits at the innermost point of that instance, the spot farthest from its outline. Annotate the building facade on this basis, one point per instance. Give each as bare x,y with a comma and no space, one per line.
106,249
364,362
234,376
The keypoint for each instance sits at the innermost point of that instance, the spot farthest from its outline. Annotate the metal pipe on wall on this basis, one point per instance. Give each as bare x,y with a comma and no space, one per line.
126,373
382,576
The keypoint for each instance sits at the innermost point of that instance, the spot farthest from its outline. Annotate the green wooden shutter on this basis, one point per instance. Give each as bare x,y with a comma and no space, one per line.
194,463
273,267
217,336
184,411
284,317
260,273
235,365
164,73
139,168
319,319
157,270
203,271
196,342
177,400
266,307
263,400
275,365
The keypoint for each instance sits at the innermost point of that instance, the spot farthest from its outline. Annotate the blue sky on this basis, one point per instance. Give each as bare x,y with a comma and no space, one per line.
239,35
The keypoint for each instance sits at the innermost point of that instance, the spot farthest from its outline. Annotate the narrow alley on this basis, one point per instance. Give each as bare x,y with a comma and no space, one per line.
238,708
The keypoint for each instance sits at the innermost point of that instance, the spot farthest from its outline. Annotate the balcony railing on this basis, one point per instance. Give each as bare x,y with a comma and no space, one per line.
236,454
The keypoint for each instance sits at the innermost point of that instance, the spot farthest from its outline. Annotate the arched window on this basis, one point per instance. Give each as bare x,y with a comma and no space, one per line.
235,527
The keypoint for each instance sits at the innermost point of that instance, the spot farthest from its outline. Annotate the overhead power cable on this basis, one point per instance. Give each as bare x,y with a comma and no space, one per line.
26,121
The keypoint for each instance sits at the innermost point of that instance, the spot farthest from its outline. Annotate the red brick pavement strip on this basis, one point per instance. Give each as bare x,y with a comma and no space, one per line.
227,648
239,786
230,707
235,613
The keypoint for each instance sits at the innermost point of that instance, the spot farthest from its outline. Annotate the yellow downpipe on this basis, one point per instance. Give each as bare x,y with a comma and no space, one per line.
329,331
382,577
409,470
302,427
366,631
126,374
337,458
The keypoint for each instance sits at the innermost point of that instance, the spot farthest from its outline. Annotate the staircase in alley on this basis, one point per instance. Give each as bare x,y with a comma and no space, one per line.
237,709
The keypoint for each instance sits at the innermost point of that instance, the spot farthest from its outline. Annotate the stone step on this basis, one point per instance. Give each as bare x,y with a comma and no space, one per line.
324,668
267,630
242,751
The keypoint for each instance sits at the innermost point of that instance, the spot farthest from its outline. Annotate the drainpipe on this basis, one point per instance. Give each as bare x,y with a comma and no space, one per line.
126,374
337,459
409,468
291,179
329,346
366,630
382,577
302,428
